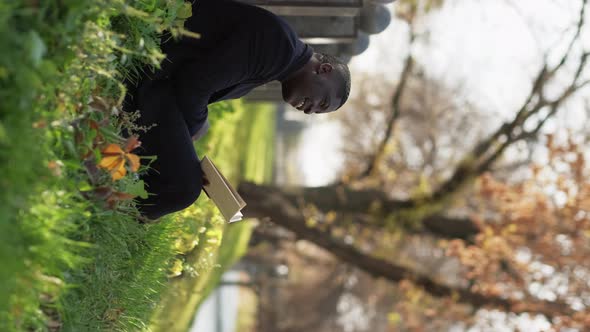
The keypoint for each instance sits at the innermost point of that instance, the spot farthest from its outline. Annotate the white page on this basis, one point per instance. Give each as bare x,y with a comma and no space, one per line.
237,217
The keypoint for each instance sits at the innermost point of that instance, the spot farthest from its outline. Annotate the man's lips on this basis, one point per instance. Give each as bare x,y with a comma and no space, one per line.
304,106
301,104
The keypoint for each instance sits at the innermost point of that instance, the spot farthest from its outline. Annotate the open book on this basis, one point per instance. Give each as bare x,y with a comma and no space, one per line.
221,192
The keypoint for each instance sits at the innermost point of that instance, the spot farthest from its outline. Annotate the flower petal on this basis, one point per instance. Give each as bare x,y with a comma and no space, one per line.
132,143
110,162
133,161
119,172
112,149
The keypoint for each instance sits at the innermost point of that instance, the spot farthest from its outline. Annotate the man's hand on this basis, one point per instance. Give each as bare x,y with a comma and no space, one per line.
202,131
205,183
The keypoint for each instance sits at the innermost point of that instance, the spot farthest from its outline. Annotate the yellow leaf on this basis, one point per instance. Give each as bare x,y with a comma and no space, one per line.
394,318
331,216
512,228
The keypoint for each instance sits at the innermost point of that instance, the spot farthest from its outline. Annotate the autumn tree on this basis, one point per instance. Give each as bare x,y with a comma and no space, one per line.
519,243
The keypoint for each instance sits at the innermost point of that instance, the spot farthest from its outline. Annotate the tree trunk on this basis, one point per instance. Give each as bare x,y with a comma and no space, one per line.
340,198
265,203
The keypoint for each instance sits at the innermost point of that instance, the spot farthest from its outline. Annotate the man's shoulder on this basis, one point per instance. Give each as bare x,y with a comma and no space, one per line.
245,10
264,18
239,19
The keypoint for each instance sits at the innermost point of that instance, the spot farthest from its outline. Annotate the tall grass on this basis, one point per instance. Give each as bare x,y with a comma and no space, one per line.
69,262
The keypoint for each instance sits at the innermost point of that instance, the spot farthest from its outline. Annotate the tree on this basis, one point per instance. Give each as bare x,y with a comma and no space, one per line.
350,219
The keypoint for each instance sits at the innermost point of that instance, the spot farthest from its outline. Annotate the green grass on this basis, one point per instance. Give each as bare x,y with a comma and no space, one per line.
256,165
69,261
73,256
238,145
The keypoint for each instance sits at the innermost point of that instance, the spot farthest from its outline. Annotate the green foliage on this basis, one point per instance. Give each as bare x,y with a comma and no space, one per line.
74,256
32,52
213,246
67,260
142,23
126,274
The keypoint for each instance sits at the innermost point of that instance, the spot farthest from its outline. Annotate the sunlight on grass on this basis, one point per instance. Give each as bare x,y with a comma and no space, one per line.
71,261
74,257
237,140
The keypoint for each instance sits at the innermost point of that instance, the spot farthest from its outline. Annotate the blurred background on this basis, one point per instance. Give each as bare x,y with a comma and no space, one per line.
463,147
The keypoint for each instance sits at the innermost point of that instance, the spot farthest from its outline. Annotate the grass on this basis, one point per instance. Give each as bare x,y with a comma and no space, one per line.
256,166
70,262
73,256
237,144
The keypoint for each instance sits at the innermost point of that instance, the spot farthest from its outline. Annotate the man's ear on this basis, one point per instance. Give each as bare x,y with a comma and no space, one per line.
325,68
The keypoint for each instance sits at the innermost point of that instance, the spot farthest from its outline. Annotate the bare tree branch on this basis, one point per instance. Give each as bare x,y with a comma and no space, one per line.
555,104
573,41
451,227
489,150
582,85
395,108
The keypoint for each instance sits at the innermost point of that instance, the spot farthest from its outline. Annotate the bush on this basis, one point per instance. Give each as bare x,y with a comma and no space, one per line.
57,59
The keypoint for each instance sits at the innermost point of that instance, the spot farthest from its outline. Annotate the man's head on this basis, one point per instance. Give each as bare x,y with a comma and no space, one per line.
322,85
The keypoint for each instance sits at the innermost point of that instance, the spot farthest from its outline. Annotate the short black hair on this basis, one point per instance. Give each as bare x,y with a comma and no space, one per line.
342,69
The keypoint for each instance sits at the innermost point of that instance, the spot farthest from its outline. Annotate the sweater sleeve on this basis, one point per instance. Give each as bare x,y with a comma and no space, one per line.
192,100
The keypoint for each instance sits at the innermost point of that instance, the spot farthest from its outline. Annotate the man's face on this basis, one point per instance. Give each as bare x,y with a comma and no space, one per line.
316,90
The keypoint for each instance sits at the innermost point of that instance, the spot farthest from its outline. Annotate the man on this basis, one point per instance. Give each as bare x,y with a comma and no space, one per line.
241,47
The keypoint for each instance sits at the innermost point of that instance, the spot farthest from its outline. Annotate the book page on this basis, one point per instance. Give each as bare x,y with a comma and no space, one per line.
237,217
234,192
221,192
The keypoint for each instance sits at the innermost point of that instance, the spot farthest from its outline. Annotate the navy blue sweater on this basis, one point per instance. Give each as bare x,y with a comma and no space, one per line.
241,47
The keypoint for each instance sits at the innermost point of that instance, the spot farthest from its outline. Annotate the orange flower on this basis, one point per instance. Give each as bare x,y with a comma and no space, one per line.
114,158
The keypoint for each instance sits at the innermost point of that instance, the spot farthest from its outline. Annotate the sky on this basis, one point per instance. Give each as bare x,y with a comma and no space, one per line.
491,48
